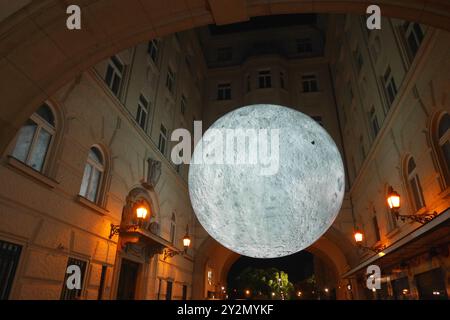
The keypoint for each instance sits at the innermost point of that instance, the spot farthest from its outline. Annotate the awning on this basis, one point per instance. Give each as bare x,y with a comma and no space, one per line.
432,234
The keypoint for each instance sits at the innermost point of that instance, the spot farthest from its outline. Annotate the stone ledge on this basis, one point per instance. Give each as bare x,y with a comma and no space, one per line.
31,173
91,205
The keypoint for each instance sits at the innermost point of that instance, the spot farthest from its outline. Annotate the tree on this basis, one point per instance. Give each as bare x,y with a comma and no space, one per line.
264,283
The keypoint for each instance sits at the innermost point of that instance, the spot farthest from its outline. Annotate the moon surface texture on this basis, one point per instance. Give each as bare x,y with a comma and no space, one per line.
267,213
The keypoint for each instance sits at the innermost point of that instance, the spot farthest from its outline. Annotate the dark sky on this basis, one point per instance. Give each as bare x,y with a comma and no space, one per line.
298,266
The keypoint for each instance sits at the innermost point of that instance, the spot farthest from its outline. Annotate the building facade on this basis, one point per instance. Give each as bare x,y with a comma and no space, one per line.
99,149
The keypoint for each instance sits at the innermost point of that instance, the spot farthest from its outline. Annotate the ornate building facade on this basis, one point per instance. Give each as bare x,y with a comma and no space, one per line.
97,151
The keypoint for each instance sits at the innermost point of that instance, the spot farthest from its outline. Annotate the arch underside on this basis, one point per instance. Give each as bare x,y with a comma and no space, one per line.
336,258
39,54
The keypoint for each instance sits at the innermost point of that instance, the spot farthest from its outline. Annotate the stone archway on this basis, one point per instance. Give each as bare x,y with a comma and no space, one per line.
211,254
39,54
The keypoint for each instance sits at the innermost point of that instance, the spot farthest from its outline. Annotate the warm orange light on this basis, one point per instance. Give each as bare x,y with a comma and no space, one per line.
247,292
141,212
186,241
393,199
358,236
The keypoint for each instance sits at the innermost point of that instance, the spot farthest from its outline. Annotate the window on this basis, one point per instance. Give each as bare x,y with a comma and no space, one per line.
414,185
73,294
153,49
183,105
170,80
34,139
414,36
224,91
282,83
224,54
389,85
443,142
309,83
374,122
376,229
304,46
172,228
358,59
162,139
169,290
93,175
142,112
114,75
9,260
264,79
184,296
101,287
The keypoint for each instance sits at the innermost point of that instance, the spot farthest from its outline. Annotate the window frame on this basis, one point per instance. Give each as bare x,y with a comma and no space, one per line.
264,79
118,71
101,168
374,124
308,80
224,91
41,124
170,80
153,50
414,186
162,139
438,142
389,84
143,109
409,29
183,104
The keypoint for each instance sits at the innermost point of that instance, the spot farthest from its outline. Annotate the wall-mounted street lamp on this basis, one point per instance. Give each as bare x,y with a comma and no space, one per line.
359,237
394,203
141,212
186,245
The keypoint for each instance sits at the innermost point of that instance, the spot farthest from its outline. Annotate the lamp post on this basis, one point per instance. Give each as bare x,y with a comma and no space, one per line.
394,203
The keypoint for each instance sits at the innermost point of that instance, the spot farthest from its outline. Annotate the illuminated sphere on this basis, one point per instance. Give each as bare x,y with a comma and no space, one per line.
268,215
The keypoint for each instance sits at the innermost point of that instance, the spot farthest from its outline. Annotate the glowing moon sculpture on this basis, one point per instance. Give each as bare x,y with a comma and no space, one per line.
278,204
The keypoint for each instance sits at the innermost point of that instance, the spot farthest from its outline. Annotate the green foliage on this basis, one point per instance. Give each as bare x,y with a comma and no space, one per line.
265,283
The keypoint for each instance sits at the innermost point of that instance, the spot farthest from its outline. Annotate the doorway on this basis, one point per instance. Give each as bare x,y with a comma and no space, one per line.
126,289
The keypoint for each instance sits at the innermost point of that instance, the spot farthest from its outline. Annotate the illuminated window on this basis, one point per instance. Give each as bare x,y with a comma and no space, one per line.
34,140
93,175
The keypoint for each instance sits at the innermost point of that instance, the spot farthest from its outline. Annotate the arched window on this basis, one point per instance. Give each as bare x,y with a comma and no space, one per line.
93,175
414,185
35,139
443,143
173,225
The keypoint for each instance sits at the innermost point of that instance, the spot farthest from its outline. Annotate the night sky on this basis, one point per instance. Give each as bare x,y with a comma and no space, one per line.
298,266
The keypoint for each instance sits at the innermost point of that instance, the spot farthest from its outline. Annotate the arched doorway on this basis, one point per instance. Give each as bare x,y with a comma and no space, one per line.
39,54
333,251
136,265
